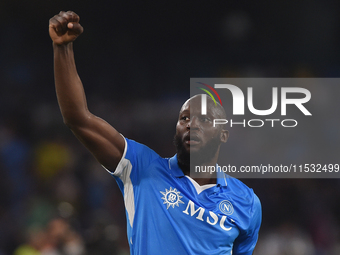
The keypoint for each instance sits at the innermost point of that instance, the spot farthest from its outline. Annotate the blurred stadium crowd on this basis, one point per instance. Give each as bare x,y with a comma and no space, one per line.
135,62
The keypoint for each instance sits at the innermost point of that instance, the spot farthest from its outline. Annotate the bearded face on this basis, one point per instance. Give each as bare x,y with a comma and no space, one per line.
196,139
196,157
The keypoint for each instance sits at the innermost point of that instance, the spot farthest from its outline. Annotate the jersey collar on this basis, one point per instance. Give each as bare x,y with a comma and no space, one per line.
222,179
174,167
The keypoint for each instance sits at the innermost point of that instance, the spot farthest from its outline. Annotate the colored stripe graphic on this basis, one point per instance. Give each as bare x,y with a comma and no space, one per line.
215,92
209,94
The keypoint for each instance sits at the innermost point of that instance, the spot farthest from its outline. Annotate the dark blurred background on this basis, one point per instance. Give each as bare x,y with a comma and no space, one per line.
135,57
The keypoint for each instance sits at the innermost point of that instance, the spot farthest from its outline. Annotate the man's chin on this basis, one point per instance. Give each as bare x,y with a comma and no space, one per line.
195,153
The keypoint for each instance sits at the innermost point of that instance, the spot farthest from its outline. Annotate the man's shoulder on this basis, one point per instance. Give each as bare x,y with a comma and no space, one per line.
235,184
140,152
241,193
139,159
138,148
246,204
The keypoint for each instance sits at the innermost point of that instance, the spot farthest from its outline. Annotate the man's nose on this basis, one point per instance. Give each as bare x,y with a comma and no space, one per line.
193,123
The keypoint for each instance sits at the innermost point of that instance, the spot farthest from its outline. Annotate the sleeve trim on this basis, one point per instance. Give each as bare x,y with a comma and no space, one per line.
121,165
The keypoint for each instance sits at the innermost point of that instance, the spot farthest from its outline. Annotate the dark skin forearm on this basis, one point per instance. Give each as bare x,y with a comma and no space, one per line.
69,88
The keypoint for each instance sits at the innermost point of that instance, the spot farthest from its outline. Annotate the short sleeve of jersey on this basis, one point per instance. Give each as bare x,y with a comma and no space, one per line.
246,241
132,167
136,157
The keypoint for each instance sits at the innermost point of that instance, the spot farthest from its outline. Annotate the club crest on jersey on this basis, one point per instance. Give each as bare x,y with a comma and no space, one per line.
171,198
226,207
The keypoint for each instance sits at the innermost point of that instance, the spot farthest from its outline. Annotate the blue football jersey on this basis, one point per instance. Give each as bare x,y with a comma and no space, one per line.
169,213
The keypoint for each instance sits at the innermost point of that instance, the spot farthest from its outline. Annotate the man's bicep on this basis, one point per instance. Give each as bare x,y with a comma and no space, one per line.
101,139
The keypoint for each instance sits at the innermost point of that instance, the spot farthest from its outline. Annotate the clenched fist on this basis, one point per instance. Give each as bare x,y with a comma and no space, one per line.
64,27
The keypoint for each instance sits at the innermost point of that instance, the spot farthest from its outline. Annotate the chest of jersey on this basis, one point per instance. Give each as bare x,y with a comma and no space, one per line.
175,208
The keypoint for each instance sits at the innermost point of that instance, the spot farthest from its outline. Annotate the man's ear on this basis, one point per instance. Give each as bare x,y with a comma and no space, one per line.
224,135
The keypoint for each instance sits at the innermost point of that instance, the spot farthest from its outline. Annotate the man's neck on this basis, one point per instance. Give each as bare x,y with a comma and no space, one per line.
205,181
201,174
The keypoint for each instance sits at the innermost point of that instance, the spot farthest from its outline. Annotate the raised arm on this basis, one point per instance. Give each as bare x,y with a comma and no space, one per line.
103,141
